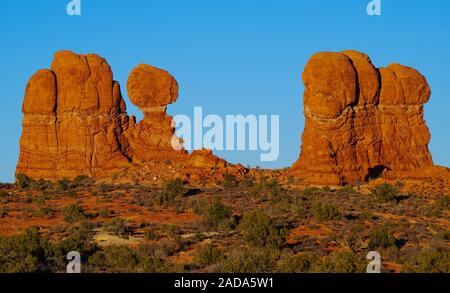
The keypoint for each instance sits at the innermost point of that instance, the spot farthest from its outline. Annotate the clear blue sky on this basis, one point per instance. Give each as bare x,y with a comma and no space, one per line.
229,56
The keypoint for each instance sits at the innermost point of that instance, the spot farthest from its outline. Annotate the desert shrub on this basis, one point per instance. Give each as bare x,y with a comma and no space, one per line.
207,255
443,203
366,215
23,181
246,182
325,212
41,184
3,194
24,253
229,181
82,181
73,213
299,263
104,213
3,212
259,230
119,227
302,210
309,191
385,192
249,260
352,239
45,211
151,263
381,238
71,193
64,184
169,192
117,259
151,234
143,199
341,262
172,230
214,213
103,188
429,260
276,192
348,189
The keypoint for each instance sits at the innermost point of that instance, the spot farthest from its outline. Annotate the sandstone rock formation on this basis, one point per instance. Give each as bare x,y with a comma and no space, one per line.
362,122
72,121
75,123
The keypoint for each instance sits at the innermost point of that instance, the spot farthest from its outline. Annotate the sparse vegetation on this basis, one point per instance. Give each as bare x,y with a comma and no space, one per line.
429,260
73,213
207,255
256,224
258,230
385,193
341,262
213,214
119,227
325,212
169,192
381,238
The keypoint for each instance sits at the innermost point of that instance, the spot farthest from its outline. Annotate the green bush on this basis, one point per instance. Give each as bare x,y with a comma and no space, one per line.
247,182
151,234
44,211
23,181
443,203
229,181
73,213
341,262
325,212
385,192
429,260
249,260
348,189
82,181
119,227
117,259
214,213
381,238
104,213
64,184
258,230
169,192
207,255
24,253
172,230
309,191
299,263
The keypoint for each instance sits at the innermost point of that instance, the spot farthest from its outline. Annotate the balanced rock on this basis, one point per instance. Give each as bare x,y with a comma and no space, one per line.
75,123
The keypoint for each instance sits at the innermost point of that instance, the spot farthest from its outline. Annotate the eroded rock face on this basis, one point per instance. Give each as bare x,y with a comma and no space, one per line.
361,122
72,120
75,123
